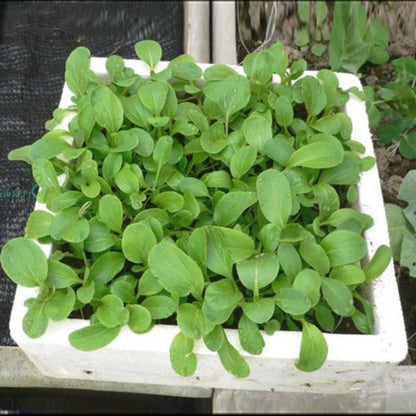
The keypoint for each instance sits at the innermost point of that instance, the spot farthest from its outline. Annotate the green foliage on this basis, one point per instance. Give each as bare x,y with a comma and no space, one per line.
392,108
206,199
402,225
310,34
355,39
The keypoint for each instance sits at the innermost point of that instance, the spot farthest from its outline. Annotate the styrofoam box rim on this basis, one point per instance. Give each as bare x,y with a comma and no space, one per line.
388,345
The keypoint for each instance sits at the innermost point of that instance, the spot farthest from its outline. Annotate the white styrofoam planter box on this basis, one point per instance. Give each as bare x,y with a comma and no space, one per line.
352,360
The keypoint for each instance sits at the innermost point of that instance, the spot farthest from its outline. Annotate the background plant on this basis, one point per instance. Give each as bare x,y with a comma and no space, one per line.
356,39
402,225
317,32
392,108
210,200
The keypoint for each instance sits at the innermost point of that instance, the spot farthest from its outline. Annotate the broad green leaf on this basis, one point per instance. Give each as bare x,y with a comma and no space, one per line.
346,173
69,226
148,284
275,201
44,174
197,247
259,66
259,310
328,124
49,146
258,272
111,312
230,94
269,236
327,198
289,260
281,58
344,247
111,166
221,298
140,319
313,349
124,140
192,322
348,274
218,72
318,49
399,228
232,360
135,111
65,200
145,145
35,321
86,293
183,360
162,150
283,111
110,212
406,191
321,12
309,282
338,296
238,244
76,70
315,256
301,37
293,301
99,238
324,317
341,216
272,326
38,224
407,255
21,153
106,267
313,95
170,201
361,322
125,288
319,155
250,337
213,141
127,180
93,337
108,110
137,242
184,67
376,266
60,305
24,262
149,51
304,11
194,185
231,206
61,275
176,271
218,257
215,338
294,232
257,130
242,160
159,306
153,95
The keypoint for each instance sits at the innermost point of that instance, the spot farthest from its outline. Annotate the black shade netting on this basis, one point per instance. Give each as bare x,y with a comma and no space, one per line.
36,38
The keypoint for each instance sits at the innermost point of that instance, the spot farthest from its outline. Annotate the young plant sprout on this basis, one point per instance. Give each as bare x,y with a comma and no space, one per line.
206,200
